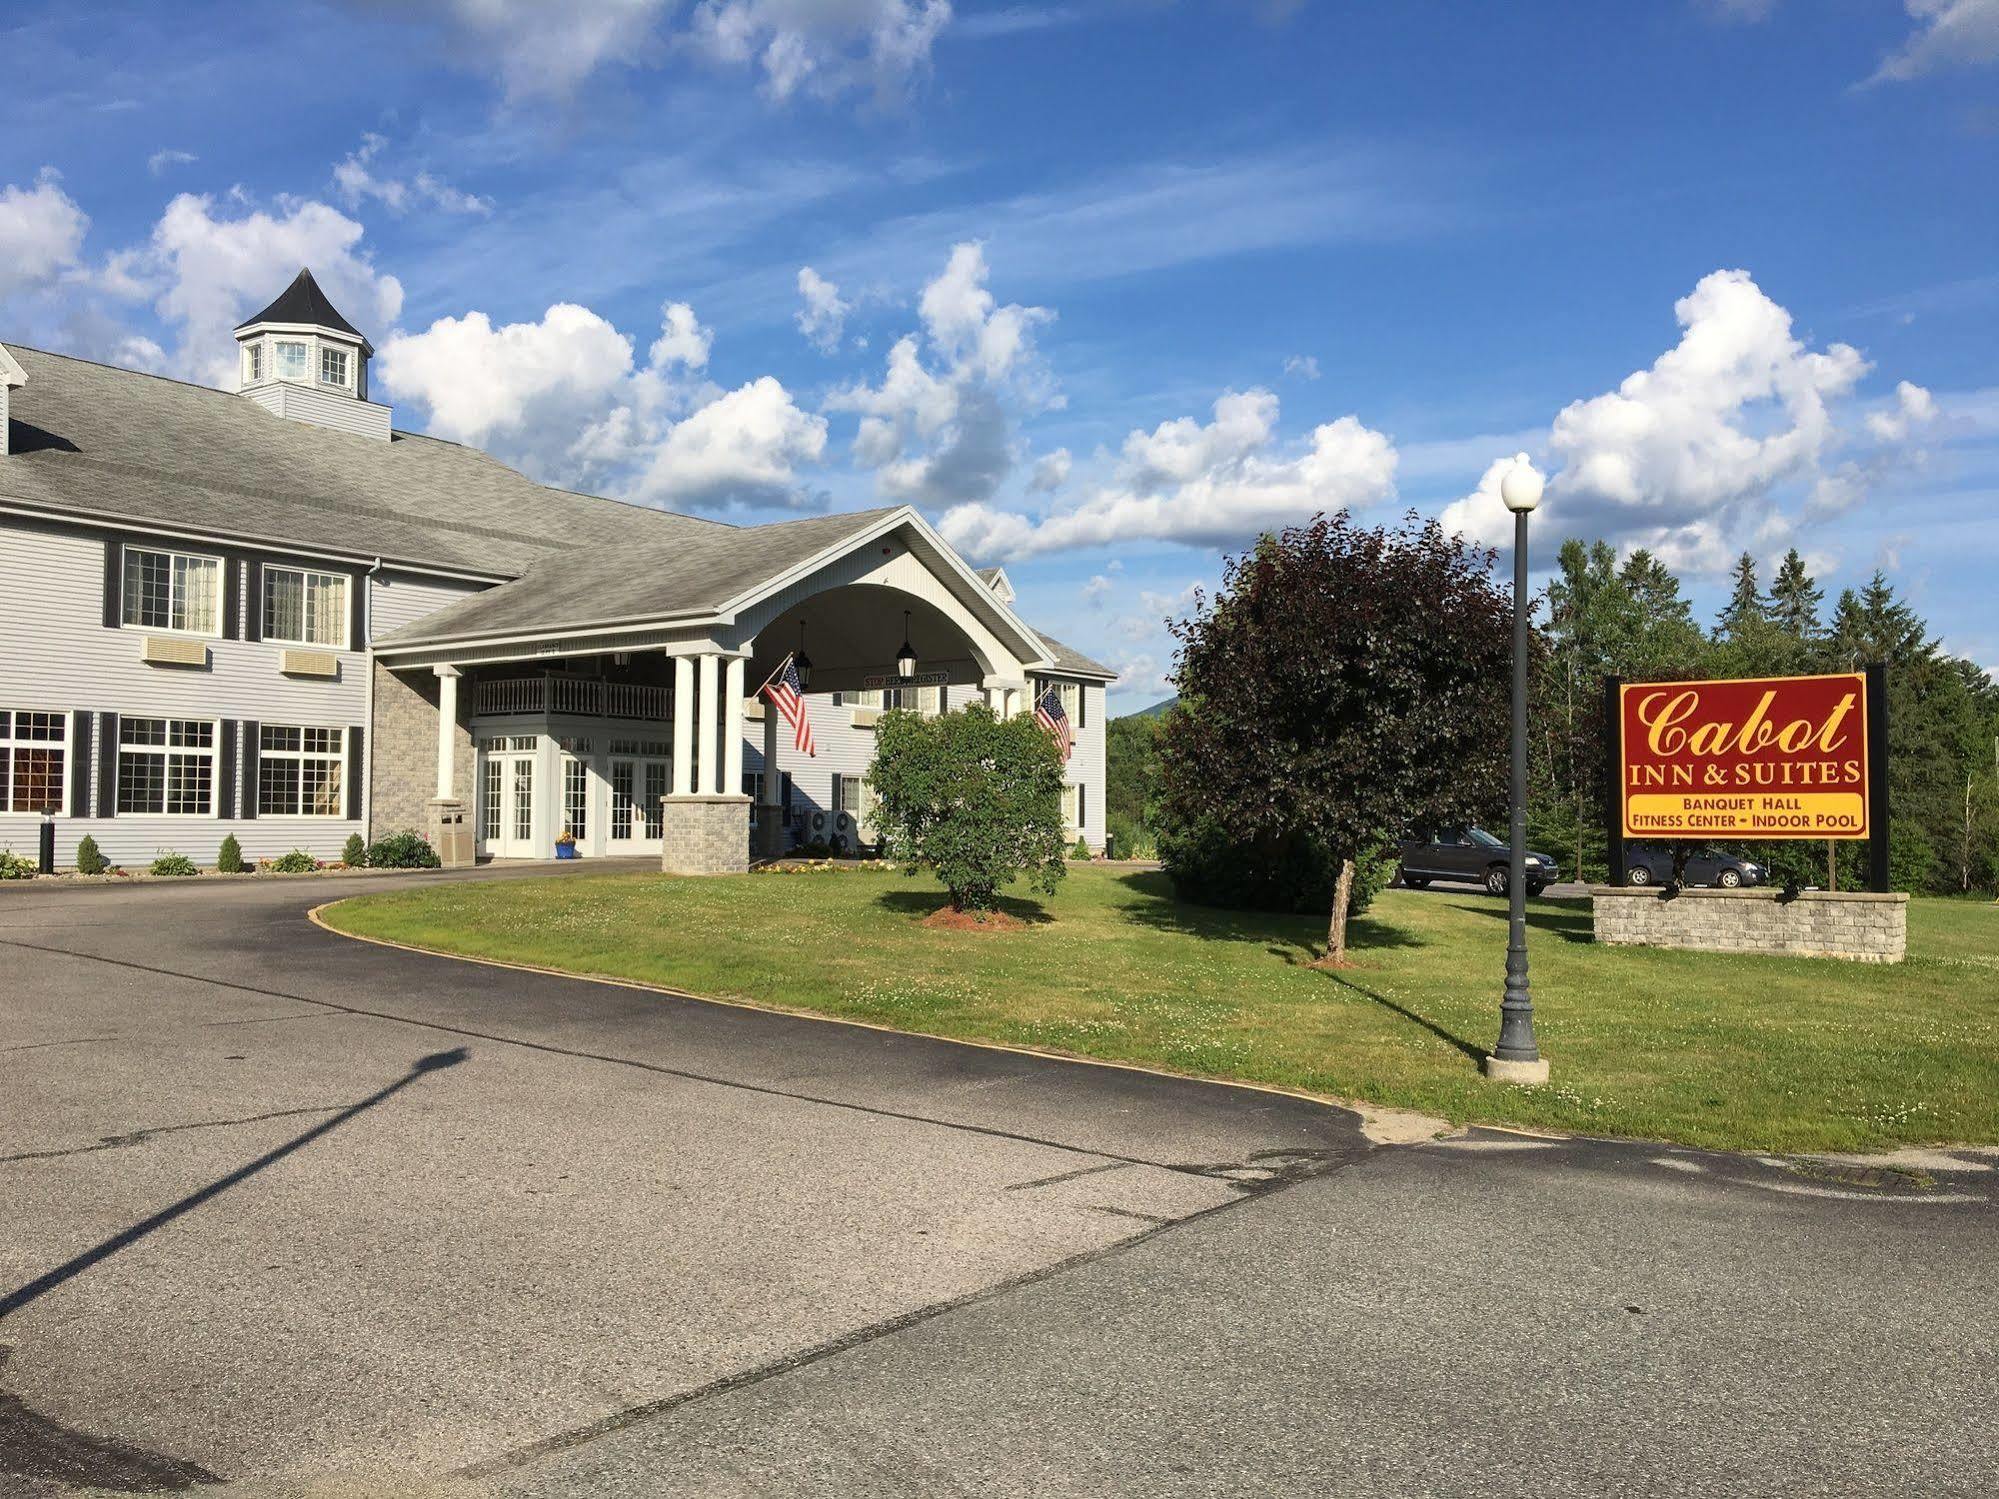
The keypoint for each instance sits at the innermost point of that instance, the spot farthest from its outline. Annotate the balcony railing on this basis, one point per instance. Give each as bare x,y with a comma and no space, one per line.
585,697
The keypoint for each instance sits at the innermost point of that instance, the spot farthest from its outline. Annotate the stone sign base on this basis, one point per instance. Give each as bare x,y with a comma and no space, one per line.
1862,927
705,834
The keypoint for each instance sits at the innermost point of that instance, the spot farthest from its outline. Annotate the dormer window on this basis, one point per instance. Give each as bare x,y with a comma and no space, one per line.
291,357
253,363
333,367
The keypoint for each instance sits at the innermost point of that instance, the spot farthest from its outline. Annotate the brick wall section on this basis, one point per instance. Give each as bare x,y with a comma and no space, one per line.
1862,927
403,775
705,835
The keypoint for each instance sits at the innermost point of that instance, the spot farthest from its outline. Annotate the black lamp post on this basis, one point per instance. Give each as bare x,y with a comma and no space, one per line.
1517,1059
802,663
905,659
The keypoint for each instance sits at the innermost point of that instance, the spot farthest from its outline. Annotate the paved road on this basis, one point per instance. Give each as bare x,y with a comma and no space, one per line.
280,1206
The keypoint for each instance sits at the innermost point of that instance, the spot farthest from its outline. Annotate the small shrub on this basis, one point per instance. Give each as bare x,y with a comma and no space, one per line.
14,867
1293,873
405,850
229,857
354,853
89,857
298,861
173,864
1082,848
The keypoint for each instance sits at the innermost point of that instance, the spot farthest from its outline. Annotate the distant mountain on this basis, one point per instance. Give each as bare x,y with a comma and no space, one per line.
1157,710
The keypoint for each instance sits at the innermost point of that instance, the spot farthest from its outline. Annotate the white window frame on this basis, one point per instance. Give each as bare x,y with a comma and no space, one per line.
1069,694
575,797
166,752
278,347
253,362
302,757
1072,807
335,351
307,577
130,602
11,743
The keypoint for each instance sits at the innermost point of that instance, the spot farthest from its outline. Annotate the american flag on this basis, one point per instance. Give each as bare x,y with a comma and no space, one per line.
789,699
1048,713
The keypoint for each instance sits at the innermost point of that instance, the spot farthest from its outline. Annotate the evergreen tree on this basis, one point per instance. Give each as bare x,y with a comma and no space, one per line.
1795,600
1746,608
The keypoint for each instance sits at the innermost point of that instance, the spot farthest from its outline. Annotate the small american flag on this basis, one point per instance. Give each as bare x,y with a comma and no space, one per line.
1048,713
789,699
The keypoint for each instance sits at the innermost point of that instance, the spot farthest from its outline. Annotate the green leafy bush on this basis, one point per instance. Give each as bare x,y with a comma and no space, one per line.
89,857
406,850
173,864
229,857
298,861
14,867
973,797
1082,848
354,853
1288,873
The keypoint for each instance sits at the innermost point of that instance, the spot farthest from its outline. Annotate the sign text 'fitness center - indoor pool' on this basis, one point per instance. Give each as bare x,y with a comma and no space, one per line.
1776,757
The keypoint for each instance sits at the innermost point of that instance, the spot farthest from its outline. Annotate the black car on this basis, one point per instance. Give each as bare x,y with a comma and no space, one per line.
1652,864
1470,854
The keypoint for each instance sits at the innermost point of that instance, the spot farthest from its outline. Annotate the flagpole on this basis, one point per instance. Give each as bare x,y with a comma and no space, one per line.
776,674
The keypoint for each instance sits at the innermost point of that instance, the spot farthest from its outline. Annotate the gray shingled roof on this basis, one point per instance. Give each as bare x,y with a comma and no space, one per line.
115,445
1069,659
124,446
643,580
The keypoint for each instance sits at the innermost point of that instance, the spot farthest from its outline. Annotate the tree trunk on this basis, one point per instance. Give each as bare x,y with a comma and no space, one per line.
1336,934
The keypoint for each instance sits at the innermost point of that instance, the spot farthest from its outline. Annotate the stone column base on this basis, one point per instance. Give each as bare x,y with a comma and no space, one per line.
449,833
705,834
1527,1074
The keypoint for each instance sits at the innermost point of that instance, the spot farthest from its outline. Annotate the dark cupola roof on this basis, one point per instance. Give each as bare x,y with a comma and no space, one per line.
304,302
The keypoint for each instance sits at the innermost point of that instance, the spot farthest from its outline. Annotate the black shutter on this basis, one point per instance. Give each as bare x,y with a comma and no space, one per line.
225,771
1082,701
1082,813
253,612
784,782
249,759
78,768
107,765
232,584
356,742
357,612
114,581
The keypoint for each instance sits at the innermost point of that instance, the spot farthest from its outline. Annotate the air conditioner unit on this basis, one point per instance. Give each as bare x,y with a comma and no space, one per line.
821,821
845,826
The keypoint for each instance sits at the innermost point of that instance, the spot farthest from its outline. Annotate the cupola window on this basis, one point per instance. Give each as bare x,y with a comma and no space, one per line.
333,367
253,363
291,359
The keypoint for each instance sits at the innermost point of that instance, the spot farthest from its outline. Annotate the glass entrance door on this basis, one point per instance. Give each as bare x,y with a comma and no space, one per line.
506,798
638,785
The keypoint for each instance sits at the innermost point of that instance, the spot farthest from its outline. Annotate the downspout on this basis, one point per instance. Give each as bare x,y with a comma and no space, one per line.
367,808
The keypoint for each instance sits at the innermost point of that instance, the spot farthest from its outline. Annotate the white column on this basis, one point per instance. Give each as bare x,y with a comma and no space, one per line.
707,723
732,727
683,726
447,731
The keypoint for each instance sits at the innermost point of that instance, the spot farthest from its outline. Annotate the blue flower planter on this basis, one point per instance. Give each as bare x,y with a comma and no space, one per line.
565,850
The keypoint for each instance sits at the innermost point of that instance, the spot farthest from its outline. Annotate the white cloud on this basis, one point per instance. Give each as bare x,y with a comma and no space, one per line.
564,399
357,180
1693,456
1200,484
1051,472
1914,407
823,316
161,161
940,429
1949,33
1097,590
41,234
216,269
824,48
1304,366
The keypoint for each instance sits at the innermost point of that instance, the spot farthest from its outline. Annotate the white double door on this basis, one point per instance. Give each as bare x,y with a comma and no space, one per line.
506,805
638,787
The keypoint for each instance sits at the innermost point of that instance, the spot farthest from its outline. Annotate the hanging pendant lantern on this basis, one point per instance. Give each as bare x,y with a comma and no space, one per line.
801,662
905,659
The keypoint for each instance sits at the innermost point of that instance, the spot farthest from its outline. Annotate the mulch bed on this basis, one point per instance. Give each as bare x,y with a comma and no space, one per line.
948,920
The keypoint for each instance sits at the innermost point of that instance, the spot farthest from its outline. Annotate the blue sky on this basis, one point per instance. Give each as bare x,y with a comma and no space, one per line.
1102,287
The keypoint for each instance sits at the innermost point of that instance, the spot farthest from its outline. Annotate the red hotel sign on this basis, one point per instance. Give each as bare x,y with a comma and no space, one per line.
1780,757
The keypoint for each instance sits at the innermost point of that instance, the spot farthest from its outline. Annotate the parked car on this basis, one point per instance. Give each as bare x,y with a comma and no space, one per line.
1470,854
1652,864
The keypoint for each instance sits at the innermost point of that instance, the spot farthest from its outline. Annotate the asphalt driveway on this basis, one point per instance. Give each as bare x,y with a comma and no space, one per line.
282,1207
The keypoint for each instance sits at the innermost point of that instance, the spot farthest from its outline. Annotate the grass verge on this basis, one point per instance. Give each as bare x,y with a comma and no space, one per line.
1725,1051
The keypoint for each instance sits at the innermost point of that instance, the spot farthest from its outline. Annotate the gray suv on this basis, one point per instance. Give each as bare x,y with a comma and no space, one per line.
1652,864
1472,855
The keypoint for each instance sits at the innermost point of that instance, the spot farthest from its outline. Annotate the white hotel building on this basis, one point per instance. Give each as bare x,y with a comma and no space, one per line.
271,614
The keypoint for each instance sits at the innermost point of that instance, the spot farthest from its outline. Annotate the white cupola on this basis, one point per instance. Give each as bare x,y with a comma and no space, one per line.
302,360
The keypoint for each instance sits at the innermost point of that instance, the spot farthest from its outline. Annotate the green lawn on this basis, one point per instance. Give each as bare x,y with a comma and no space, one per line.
1727,1051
